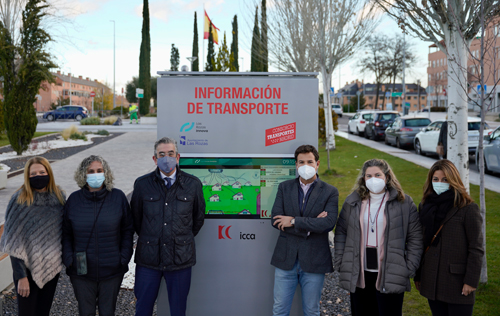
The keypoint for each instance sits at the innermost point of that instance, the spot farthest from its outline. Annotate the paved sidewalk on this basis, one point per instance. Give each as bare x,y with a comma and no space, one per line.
129,156
491,182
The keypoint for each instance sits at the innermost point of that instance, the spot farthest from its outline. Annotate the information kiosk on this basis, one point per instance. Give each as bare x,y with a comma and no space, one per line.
236,132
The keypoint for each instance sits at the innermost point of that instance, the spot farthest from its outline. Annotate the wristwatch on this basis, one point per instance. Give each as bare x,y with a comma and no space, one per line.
292,221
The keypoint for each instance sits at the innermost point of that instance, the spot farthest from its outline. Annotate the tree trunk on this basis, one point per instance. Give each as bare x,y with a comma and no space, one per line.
458,150
327,107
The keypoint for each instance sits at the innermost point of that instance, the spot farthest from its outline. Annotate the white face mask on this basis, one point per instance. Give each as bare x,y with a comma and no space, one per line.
375,185
440,187
306,172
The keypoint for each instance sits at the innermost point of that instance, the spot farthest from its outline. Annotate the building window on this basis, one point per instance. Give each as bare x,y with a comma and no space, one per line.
415,98
370,98
423,98
408,98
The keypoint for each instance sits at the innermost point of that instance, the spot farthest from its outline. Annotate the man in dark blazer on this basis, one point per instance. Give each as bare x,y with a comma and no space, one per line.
304,211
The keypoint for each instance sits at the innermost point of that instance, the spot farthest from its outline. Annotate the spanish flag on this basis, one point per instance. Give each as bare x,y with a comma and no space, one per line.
214,29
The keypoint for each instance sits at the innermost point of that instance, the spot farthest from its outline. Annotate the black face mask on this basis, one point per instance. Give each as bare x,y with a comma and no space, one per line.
39,182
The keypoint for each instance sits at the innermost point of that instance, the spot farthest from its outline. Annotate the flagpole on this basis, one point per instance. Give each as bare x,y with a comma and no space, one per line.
203,40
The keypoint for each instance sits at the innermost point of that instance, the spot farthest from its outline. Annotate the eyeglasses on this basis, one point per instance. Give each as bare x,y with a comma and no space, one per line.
162,154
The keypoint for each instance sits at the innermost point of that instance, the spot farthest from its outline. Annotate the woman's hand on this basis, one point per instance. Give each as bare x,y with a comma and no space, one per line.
322,215
23,287
467,289
417,285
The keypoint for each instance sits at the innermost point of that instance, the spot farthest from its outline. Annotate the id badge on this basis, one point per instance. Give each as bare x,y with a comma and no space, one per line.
81,263
372,258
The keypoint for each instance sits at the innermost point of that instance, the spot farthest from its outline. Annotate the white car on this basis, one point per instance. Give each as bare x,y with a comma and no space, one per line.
337,109
357,123
426,141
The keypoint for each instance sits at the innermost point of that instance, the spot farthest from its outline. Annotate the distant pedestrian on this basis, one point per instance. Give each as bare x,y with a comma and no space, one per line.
32,238
169,210
443,140
97,238
132,109
378,242
304,211
453,239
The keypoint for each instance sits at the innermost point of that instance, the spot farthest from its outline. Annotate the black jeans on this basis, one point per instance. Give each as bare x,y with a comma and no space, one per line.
39,302
439,308
102,294
370,302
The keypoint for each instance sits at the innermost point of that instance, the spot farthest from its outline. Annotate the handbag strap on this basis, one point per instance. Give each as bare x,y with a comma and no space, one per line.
433,238
95,221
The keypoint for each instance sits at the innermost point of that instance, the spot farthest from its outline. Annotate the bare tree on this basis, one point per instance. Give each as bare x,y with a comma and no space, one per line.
400,56
314,35
457,23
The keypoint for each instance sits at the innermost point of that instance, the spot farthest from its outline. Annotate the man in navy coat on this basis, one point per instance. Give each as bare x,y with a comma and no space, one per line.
304,211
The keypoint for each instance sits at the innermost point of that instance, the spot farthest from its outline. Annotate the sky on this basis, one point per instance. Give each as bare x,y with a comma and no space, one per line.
90,53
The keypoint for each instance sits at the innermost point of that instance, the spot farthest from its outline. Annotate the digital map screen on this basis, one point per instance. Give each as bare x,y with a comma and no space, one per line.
239,187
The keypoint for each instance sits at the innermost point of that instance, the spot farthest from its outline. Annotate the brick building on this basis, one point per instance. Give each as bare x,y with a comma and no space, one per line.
417,99
438,68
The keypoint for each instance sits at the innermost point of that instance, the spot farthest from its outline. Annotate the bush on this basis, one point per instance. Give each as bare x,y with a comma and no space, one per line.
321,124
91,121
438,109
150,115
110,120
69,131
118,110
102,132
77,136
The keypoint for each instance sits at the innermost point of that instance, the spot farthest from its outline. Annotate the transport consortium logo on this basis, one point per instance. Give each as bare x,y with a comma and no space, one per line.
182,140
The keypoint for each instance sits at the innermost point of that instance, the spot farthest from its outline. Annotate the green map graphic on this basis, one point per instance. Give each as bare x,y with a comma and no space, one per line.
229,191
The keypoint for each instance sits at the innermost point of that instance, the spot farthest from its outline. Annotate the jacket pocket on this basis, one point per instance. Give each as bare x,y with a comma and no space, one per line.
184,249
148,251
457,268
184,208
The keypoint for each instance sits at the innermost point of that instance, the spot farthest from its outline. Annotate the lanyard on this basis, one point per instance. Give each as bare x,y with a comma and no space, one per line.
370,223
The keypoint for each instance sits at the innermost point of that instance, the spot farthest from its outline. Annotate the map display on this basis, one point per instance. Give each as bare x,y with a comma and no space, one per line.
242,187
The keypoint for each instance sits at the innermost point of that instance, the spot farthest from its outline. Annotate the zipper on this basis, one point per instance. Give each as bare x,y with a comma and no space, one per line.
95,240
386,242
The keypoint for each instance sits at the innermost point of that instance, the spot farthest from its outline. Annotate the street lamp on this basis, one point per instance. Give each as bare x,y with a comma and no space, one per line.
191,60
242,63
114,55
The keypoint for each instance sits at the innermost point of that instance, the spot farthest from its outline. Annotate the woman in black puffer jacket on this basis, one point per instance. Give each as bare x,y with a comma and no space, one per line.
97,238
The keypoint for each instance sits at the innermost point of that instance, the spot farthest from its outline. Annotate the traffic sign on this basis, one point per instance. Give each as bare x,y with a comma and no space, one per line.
92,94
397,94
139,93
479,88
332,93
387,94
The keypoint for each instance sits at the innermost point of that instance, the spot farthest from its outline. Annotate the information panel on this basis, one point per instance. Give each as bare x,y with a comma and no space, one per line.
239,187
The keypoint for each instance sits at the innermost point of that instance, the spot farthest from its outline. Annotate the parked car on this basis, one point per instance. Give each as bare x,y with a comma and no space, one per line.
402,132
427,139
67,112
378,122
337,109
491,152
357,123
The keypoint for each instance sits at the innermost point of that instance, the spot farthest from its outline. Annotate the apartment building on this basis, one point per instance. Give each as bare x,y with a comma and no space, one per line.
437,71
416,95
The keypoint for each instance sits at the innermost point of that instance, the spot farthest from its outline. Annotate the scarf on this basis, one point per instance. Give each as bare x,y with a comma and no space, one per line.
33,234
433,213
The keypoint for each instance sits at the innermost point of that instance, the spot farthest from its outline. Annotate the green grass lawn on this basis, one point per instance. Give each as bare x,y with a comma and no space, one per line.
347,160
5,141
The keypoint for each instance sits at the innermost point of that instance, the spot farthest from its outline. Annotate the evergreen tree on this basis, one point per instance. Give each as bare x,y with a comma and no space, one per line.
263,40
23,69
223,61
234,46
145,62
209,66
174,58
255,64
196,63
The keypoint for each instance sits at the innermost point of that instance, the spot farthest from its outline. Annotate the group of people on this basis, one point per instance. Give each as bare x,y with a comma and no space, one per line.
381,240
380,237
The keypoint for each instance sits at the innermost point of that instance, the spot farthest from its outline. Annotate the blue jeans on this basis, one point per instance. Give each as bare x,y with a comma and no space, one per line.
147,285
285,284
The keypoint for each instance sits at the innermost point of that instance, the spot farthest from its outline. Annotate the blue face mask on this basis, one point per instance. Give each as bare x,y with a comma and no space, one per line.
167,164
95,180
440,187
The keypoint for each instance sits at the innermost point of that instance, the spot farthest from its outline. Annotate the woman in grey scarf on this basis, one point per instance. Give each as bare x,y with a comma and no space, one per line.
32,238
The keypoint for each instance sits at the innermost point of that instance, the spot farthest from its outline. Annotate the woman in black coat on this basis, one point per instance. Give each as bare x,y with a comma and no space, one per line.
451,265
97,238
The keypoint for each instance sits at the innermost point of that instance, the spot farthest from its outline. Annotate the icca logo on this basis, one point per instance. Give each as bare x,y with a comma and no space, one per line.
224,232
185,125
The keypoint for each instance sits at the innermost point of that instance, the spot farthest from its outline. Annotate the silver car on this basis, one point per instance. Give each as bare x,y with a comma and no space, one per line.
491,152
402,132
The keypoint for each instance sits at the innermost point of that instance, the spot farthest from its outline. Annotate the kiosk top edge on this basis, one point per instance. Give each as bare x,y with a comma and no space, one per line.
229,74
